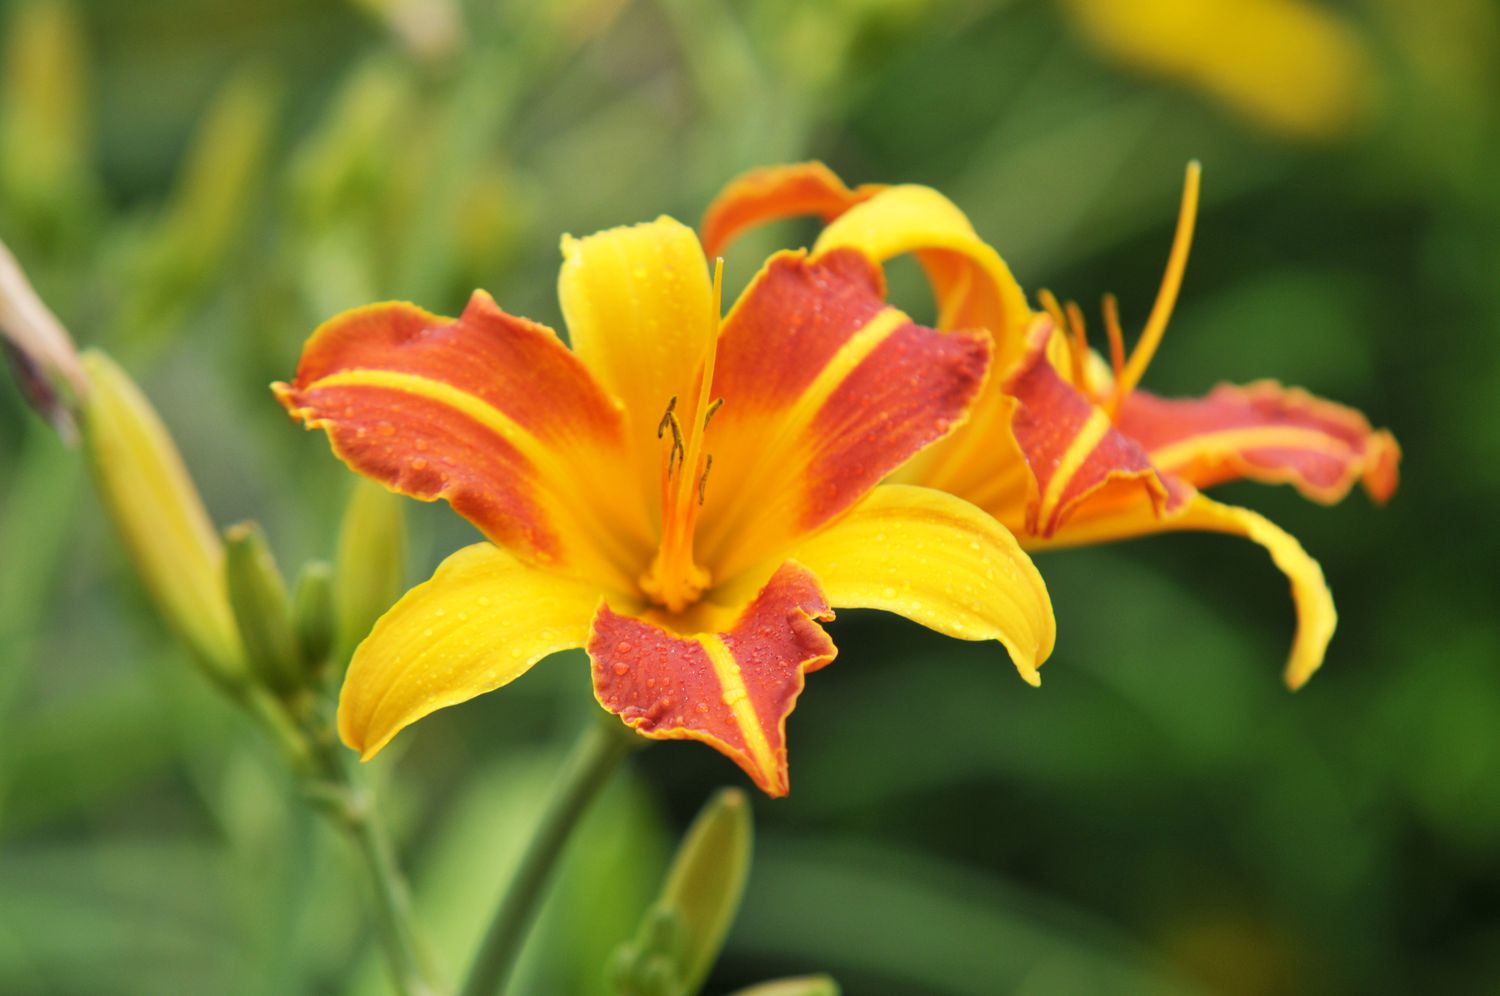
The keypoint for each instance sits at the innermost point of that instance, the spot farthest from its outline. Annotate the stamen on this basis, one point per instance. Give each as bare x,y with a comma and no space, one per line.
1078,345
708,464
1111,309
1059,322
719,403
674,579
666,418
1166,297
676,453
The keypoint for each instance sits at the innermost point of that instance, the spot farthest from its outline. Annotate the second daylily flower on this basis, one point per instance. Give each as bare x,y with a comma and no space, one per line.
1062,447
687,498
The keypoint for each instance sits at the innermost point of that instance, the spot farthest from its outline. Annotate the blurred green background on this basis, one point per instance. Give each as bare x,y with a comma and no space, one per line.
194,185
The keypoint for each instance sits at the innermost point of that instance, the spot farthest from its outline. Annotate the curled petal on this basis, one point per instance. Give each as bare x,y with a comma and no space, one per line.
1268,433
1074,451
1316,617
826,390
771,193
973,286
938,561
490,412
481,621
730,690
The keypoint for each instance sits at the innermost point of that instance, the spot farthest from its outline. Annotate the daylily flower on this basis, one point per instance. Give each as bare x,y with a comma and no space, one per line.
685,497
1062,447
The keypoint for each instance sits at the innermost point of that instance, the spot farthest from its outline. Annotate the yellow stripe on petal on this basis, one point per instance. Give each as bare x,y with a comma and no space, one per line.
737,697
938,561
480,622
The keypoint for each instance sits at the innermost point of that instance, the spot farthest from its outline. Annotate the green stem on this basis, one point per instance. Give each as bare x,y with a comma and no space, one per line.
597,753
352,805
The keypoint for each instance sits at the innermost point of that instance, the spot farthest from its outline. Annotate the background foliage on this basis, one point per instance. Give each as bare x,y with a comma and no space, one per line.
194,185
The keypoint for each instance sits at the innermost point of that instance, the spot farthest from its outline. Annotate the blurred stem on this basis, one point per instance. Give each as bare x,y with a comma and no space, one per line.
332,782
596,754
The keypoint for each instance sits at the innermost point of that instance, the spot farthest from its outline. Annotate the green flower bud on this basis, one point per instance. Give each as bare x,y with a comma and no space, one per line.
802,985
684,930
313,615
257,594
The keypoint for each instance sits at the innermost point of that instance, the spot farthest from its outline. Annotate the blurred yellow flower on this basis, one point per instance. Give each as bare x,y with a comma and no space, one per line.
1289,66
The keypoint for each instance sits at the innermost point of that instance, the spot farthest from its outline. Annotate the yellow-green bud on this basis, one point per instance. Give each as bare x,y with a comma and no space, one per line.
159,514
681,935
44,126
802,985
370,570
257,594
312,612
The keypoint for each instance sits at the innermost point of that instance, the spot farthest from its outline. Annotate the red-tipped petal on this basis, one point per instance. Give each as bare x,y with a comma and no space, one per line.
1074,451
1268,433
731,690
489,411
826,390
771,193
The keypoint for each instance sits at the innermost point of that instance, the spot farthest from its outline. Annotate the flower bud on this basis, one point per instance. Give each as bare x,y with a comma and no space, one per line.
313,615
802,985
159,515
681,934
370,569
257,594
44,119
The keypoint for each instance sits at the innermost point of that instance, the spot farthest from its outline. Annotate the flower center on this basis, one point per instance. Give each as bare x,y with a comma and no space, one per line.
675,580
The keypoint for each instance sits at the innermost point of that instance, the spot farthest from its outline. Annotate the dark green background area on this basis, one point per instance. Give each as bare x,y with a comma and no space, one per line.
1160,816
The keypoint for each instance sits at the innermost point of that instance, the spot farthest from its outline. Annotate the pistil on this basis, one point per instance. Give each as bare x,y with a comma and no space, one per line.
675,580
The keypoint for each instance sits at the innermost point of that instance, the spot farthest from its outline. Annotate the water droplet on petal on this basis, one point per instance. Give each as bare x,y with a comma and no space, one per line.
385,428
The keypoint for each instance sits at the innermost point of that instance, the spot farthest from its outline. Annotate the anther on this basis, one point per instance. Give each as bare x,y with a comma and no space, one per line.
678,452
666,419
708,464
708,416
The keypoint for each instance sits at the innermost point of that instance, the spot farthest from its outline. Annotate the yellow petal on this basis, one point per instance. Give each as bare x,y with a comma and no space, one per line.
481,621
938,561
973,286
640,313
1316,617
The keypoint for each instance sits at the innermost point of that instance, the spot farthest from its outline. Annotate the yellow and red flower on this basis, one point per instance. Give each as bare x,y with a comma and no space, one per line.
687,497
1062,447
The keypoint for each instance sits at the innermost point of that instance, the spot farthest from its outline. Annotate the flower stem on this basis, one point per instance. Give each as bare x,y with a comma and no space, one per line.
350,804
595,755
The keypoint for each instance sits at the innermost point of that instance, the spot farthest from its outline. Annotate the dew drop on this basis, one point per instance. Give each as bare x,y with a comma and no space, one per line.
385,428
623,647
419,464
622,669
